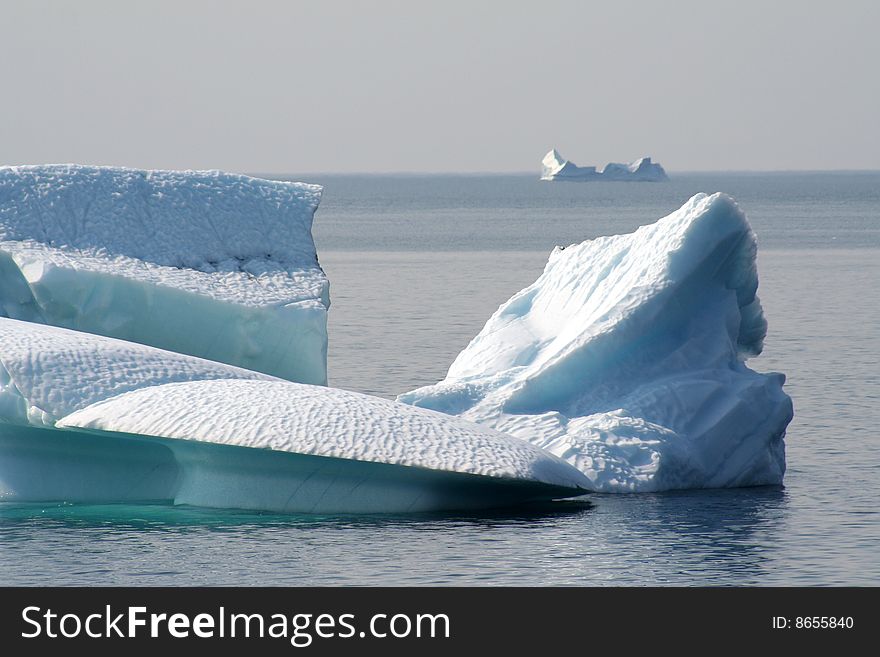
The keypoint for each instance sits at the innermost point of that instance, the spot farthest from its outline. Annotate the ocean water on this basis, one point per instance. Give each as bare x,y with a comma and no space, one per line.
417,264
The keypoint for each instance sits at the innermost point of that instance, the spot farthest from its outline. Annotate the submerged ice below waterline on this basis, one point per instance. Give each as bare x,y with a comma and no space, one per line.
627,359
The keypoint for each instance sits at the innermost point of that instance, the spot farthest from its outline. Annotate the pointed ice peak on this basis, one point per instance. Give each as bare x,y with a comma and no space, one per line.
552,164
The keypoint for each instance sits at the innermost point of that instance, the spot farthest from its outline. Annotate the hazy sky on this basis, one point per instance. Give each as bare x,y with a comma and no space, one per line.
330,86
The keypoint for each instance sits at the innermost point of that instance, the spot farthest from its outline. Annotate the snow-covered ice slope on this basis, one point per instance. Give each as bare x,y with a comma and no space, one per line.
626,358
86,418
211,264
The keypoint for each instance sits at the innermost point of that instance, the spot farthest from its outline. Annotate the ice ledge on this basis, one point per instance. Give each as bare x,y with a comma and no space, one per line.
217,265
85,418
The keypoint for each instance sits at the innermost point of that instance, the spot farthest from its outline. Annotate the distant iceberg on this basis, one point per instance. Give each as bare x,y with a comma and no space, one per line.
216,265
555,167
90,419
627,359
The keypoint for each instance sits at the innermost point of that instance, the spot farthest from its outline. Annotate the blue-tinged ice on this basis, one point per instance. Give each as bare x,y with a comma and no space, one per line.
211,264
627,359
91,419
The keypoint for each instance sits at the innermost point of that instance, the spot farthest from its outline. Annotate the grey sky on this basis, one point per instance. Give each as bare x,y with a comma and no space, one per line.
443,86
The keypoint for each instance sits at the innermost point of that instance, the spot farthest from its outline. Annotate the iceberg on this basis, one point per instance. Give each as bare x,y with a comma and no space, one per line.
91,419
163,339
555,167
627,358
209,264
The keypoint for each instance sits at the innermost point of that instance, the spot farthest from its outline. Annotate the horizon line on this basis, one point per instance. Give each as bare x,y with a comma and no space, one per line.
537,174
440,172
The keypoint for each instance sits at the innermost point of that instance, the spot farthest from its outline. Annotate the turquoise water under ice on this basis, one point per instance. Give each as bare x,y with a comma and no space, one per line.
417,264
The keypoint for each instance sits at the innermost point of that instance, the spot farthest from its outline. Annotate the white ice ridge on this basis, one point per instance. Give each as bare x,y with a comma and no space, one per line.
556,167
85,418
626,358
211,264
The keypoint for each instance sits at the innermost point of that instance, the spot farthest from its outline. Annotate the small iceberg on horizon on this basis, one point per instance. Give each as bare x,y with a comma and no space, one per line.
555,167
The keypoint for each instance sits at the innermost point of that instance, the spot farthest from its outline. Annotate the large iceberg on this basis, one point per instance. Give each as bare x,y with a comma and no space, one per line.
215,265
86,418
160,333
627,359
556,167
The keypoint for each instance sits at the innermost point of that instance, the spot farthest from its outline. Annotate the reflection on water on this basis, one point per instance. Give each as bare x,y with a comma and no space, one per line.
160,516
700,538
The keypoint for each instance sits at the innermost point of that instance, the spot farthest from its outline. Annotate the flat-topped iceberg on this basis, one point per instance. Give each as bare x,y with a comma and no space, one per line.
86,418
556,167
627,359
211,264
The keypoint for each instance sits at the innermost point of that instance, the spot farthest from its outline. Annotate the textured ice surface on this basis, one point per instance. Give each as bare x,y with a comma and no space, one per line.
51,372
626,358
555,167
78,411
292,417
216,265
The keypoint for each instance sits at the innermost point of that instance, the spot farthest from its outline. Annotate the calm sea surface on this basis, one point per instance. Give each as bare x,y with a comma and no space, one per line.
417,264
